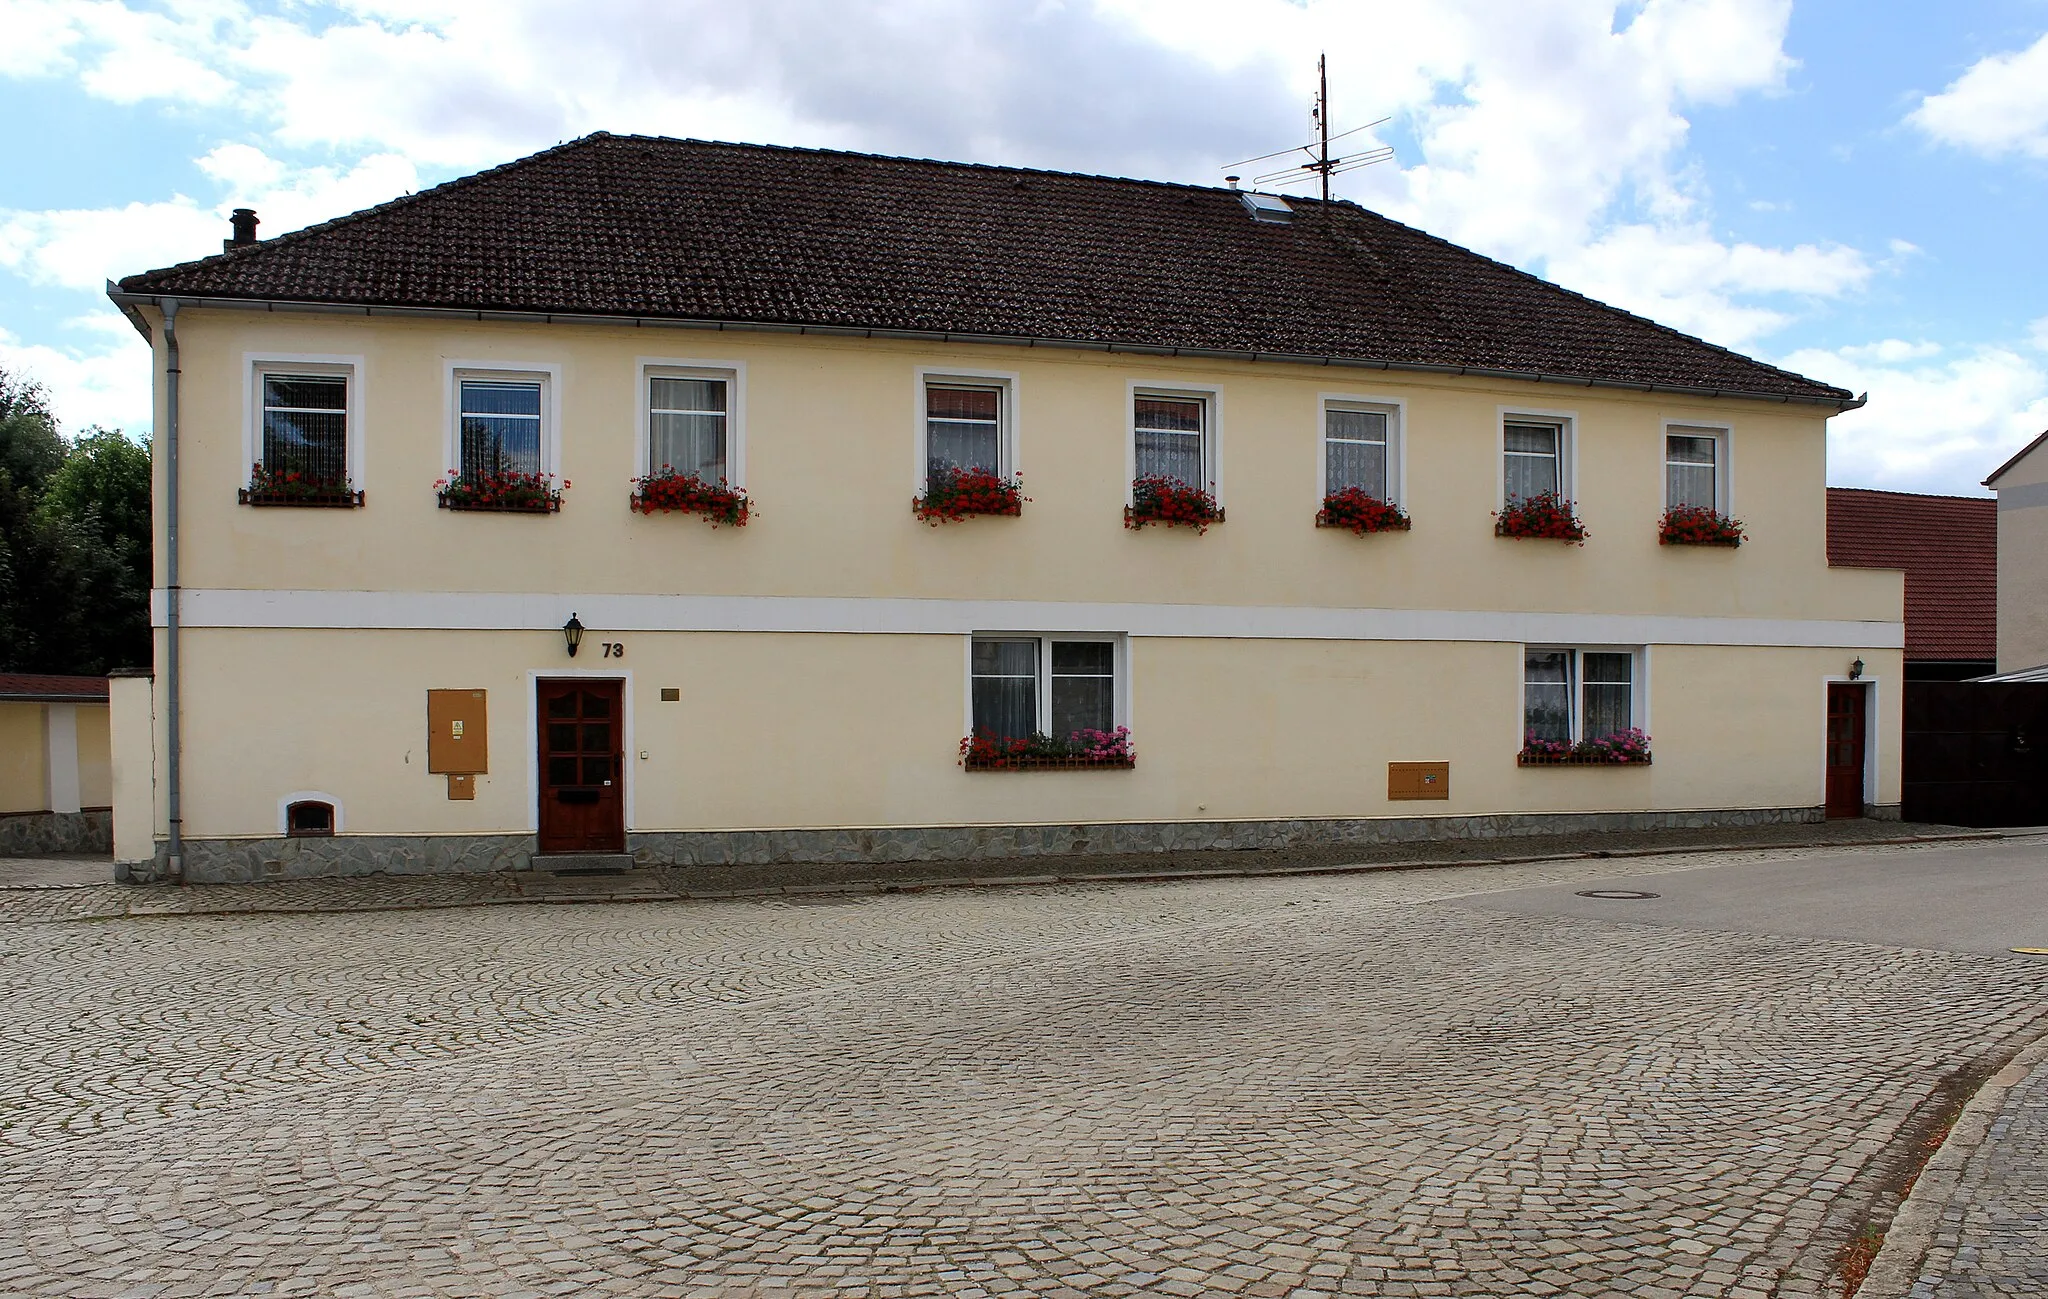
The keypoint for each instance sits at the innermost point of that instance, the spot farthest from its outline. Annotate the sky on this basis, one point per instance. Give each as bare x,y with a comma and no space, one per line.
1852,189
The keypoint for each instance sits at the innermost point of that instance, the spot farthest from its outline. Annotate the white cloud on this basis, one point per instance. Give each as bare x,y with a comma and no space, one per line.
109,385
1999,106
1930,425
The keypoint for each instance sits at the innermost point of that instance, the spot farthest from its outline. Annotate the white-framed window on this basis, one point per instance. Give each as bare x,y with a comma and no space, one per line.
1053,685
504,419
305,417
1571,694
1362,446
1535,455
965,420
1175,434
1696,466
692,419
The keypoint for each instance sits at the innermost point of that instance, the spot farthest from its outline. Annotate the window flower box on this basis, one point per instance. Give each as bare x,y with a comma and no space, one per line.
666,491
1158,498
1624,748
504,493
289,487
951,495
1081,751
1546,516
1697,525
1361,512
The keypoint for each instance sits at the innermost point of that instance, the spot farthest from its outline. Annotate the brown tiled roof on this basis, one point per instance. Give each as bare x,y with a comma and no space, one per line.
653,228
43,688
1948,546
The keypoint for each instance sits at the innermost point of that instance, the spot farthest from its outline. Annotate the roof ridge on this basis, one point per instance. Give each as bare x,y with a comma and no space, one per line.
1918,496
952,164
408,199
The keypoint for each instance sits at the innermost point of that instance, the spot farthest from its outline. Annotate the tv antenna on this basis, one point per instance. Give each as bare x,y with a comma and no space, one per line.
1320,164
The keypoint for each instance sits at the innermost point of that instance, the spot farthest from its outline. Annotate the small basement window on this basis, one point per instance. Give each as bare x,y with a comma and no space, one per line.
308,818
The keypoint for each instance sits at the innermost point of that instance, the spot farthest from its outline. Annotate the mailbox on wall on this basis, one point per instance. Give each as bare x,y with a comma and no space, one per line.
1418,780
458,738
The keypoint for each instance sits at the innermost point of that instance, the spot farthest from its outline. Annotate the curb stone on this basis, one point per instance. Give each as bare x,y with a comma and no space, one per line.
1896,1269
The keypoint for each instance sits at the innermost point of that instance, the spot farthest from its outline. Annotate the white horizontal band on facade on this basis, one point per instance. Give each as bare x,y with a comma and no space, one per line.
505,611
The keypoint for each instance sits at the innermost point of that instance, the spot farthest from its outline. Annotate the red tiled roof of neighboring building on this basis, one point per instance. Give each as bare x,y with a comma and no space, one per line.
657,229
1948,546
45,688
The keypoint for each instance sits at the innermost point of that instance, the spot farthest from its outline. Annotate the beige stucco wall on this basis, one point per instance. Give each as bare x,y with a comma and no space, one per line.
782,730
831,463
24,775
2023,563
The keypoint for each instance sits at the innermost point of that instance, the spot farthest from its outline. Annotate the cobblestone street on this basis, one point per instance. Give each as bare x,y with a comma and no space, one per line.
1295,1086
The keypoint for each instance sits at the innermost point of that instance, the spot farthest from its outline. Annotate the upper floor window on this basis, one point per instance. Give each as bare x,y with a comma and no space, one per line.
1569,695
501,425
1360,445
305,427
963,428
1172,436
688,429
1535,458
1695,468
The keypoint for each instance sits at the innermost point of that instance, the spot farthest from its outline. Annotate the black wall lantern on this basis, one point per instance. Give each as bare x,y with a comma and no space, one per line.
572,634
1855,669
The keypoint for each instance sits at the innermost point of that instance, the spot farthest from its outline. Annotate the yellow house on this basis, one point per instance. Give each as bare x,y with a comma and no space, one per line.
714,503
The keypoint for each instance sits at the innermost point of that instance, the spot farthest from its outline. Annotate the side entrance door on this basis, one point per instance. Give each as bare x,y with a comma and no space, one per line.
1845,749
582,777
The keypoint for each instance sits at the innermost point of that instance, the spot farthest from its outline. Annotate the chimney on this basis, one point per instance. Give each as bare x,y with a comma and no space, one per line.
244,222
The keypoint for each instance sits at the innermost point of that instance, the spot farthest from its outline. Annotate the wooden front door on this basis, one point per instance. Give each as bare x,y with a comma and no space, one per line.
582,775
1845,749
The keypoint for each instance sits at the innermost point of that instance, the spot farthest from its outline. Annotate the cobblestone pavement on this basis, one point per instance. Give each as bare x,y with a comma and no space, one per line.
1992,1238
1295,1086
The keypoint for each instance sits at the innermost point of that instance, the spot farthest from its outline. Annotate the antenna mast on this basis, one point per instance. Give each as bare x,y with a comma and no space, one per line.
1320,164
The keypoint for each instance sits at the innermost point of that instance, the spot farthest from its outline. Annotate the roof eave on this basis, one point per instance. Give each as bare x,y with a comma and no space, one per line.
128,300
2018,456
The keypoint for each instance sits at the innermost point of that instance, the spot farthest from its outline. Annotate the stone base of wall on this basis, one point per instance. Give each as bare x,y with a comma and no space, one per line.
244,861
26,834
1884,811
238,861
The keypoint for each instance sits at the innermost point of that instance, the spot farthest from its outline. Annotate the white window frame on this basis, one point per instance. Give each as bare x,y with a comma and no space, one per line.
1120,693
1567,422
550,376
255,365
1212,430
1009,409
1396,411
732,373
1638,695
1724,459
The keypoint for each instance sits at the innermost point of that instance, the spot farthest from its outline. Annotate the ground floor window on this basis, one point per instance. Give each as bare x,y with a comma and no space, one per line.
1045,685
1570,695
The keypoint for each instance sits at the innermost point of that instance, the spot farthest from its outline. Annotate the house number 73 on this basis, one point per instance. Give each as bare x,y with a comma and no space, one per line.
614,650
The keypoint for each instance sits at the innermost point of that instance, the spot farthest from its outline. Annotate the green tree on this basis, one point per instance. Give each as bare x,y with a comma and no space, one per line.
74,543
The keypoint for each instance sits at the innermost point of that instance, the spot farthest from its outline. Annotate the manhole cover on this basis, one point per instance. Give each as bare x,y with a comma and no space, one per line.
1618,895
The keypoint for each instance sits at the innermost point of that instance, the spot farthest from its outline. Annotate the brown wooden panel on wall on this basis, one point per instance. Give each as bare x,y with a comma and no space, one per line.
458,740
1417,780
